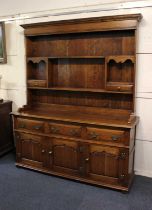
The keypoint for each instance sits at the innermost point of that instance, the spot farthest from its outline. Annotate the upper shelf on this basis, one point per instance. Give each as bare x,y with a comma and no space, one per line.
38,59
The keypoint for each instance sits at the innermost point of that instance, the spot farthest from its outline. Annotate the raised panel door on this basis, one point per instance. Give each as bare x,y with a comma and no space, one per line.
30,149
65,156
108,164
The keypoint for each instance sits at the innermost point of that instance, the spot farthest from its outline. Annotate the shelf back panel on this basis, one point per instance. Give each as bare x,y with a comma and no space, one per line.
113,101
120,72
77,73
82,44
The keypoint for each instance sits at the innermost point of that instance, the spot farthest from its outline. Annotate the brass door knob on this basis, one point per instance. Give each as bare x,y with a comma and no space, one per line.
87,159
50,152
43,151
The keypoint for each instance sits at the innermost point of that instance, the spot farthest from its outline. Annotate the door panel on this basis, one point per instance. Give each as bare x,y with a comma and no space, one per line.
65,155
106,162
30,149
97,163
26,148
112,165
37,151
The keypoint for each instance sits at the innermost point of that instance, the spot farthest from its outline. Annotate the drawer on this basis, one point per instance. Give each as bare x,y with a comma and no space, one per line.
114,136
117,87
24,136
33,125
66,130
36,83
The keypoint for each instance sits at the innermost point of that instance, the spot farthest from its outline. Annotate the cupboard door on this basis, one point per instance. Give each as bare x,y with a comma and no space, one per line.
48,155
29,149
108,164
65,156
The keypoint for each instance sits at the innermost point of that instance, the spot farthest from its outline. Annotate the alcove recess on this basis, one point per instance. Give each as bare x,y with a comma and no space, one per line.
37,70
120,73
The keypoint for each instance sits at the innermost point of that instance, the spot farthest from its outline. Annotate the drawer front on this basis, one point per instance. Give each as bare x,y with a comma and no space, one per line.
30,137
36,83
33,125
114,136
66,130
122,88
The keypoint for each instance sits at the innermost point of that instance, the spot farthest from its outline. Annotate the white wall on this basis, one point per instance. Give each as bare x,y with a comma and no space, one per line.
13,85
22,6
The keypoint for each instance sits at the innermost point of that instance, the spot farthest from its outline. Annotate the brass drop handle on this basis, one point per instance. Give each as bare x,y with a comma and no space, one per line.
73,132
22,125
93,135
37,127
114,138
43,151
118,88
55,129
87,159
50,152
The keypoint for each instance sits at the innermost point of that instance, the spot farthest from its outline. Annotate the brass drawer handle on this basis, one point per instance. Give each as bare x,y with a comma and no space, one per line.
37,127
74,132
87,159
55,129
43,151
115,138
22,125
93,135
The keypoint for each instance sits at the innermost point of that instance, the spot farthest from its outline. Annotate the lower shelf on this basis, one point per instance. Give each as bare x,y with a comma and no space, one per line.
75,178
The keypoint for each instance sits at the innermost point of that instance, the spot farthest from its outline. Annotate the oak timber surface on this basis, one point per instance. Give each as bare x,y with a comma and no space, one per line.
79,118
110,117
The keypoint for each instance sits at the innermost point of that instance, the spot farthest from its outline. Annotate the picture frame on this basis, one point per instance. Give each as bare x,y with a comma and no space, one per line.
3,57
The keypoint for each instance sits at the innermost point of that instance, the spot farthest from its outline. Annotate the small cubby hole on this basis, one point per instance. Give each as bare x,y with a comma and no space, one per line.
36,71
121,72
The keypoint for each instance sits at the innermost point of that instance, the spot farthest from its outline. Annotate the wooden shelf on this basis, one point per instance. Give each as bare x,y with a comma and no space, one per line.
80,90
66,57
88,115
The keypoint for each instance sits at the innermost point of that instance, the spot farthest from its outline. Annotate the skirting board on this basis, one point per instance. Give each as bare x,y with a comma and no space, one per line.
143,173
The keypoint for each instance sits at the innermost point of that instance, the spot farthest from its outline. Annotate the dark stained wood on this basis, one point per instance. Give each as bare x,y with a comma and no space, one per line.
93,45
79,120
6,132
88,115
118,22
